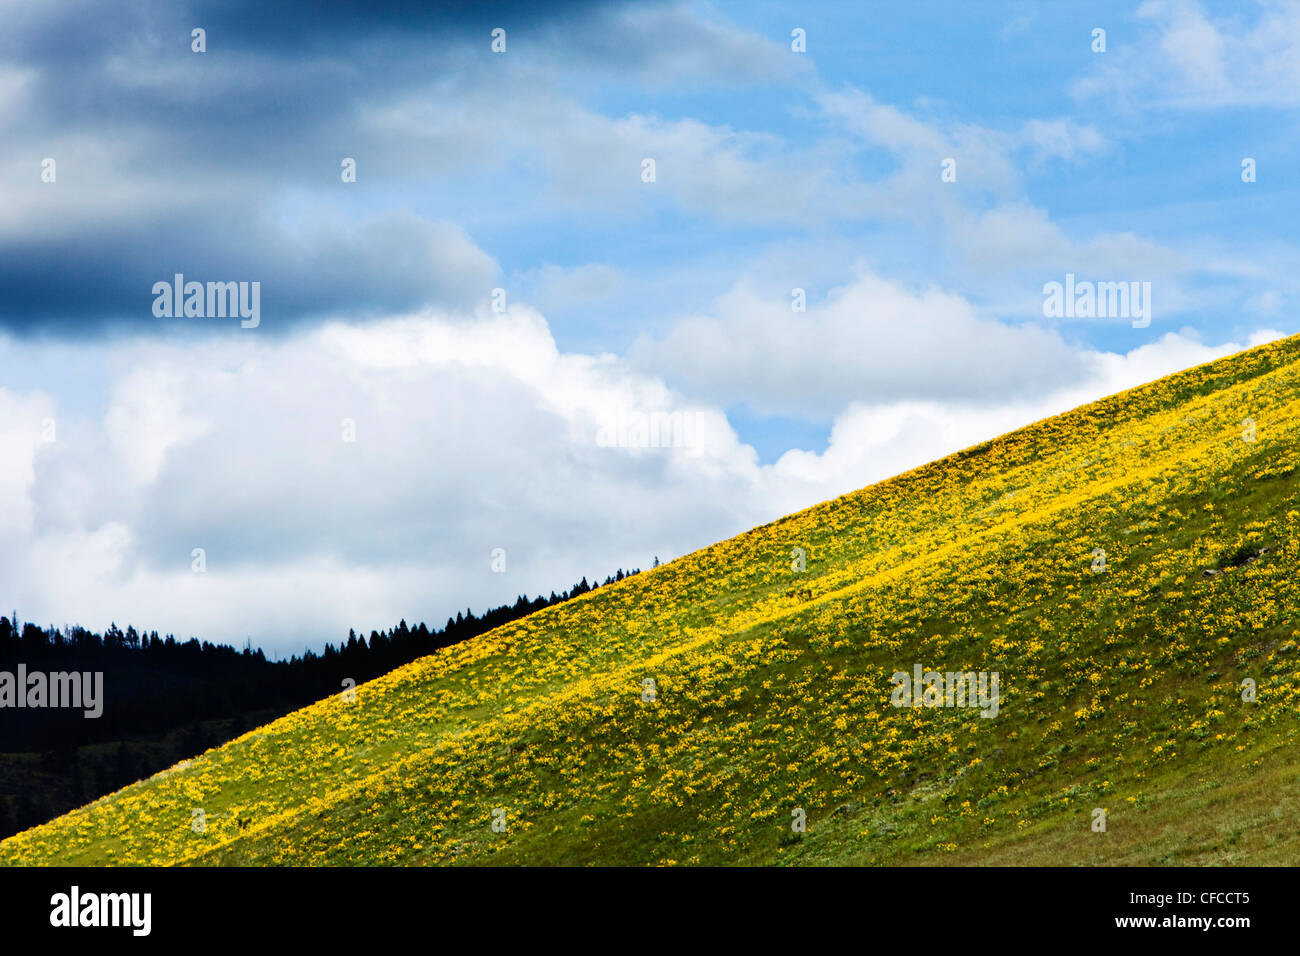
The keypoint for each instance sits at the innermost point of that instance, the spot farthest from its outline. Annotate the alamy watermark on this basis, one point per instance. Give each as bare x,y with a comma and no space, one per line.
924,688
58,689
633,429
216,300
75,908
1098,300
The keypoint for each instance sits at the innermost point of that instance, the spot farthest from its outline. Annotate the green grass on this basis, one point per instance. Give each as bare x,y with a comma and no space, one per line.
1121,689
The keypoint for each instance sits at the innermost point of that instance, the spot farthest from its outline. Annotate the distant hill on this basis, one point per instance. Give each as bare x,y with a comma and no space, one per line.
167,699
1122,569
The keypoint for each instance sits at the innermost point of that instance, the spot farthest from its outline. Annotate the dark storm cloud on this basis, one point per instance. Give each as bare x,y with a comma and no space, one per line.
74,34
103,280
170,161
293,25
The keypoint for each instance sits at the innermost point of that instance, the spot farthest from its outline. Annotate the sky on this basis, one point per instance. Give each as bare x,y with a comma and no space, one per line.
814,239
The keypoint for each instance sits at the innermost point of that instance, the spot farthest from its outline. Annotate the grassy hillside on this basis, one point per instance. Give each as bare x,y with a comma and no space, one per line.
1119,689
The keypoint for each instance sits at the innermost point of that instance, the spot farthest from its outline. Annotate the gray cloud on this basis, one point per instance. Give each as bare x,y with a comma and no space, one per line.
225,166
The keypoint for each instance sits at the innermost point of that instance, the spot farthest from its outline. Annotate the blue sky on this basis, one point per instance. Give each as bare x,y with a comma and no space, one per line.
924,330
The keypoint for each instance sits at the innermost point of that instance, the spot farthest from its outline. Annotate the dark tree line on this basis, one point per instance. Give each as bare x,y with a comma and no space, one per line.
165,700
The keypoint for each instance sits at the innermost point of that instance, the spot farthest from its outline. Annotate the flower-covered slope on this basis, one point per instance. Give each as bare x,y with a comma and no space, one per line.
1127,570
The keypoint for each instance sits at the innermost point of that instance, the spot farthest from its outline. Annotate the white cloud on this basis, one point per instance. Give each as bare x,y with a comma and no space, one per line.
1021,236
14,85
1183,58
986,158
22,419
550,288
870,341
870,442
669,44
1266,303
1061,139
472,433
144,420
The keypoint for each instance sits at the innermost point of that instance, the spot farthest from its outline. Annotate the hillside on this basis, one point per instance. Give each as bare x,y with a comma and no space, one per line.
174,699
1119,688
